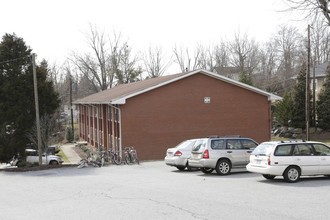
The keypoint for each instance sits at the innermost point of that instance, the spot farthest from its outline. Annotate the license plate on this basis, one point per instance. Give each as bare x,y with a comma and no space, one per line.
195,155
257,161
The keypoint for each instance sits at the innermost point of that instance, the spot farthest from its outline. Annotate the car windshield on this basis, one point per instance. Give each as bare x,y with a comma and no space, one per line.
185,144
199,145
263,149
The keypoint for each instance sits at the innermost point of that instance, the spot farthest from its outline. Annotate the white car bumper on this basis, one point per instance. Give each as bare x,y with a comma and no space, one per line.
175,161
270,170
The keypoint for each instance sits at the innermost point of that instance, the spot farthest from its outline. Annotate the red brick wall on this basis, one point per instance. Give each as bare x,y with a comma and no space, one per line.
161,118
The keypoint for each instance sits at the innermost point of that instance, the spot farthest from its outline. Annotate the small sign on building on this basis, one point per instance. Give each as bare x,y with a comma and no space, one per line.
207,99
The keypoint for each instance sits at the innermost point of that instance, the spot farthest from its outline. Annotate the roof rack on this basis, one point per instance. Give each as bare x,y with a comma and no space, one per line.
213,136
291,141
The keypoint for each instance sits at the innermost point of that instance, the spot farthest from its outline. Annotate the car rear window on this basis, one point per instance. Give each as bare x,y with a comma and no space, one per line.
263,149
199,145
283,150
185,145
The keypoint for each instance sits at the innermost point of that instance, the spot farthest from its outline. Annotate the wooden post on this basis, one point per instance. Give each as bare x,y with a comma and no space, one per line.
37,107
307,82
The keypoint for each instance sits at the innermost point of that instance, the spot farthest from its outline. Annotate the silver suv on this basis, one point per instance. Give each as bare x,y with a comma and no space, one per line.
221,153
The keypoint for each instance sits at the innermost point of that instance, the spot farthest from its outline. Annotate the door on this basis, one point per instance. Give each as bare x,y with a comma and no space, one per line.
248,146
236,153
323,153
303,156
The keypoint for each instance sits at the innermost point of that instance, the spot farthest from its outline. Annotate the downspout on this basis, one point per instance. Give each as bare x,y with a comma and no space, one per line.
119,119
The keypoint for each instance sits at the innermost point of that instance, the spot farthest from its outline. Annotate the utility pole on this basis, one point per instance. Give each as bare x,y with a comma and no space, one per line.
36,100
307,81
314,95
71,105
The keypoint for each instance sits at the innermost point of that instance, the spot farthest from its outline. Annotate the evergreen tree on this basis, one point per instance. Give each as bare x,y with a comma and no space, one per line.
244,78
323,104
299,100
283,110
17,107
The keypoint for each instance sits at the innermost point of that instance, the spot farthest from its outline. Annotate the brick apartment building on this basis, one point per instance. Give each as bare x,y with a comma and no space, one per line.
155,114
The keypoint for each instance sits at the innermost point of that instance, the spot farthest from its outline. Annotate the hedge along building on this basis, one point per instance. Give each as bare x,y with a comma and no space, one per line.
158,113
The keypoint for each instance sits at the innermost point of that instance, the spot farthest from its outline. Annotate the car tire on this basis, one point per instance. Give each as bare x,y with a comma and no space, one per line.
269,177
181,168
291,174
53,162
207,170
223,167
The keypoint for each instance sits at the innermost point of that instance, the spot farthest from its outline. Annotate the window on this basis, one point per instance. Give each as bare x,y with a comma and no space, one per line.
263,149
100,111
218,144
109,113
199,145
303,150
234,144
248,144
283,150
322,150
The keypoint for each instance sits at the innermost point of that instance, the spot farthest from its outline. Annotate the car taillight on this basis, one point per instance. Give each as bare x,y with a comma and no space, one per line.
178,154
206,154
268,161
249,158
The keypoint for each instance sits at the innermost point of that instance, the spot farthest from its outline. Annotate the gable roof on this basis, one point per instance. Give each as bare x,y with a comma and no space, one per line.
119,94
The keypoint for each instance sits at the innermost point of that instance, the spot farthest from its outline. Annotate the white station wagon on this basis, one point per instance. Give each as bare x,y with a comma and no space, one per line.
290,159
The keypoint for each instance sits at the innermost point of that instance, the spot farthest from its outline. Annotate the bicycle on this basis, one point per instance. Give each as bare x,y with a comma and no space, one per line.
114,157
85,162
130,155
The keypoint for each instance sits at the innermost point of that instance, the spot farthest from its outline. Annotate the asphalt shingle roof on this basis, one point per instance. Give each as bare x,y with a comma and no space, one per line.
119,94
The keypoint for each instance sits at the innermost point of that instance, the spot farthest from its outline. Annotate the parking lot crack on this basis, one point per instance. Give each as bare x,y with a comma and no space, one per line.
194,215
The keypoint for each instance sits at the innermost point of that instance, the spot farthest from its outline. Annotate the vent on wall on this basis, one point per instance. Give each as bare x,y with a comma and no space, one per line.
207,99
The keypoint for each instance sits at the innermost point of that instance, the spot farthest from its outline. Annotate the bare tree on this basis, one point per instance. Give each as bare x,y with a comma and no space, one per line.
94,65
313,8
206,59
320,42
244,53
47,124
186,61
154,62
289,48
221,55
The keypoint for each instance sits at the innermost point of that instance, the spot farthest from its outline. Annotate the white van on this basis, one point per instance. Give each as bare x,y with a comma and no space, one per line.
290,159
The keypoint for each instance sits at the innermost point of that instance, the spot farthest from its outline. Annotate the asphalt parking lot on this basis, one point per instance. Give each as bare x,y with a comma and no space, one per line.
153,190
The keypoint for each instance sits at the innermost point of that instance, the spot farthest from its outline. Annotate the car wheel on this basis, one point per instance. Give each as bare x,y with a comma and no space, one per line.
181,168
291,174
207,170
53,162
269,177
223,167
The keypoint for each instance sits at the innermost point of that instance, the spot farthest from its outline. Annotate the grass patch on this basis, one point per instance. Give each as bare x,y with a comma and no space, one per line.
63,156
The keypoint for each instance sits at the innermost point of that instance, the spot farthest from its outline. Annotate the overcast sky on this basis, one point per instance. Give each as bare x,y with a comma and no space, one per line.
55,28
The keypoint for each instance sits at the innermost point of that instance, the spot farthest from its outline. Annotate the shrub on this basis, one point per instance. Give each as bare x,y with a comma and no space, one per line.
69,134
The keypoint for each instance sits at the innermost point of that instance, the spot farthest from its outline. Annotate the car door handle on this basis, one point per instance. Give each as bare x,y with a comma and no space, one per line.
322,158
229,151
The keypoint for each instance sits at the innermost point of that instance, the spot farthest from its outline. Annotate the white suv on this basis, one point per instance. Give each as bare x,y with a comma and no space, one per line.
33,157
290,159
221,153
